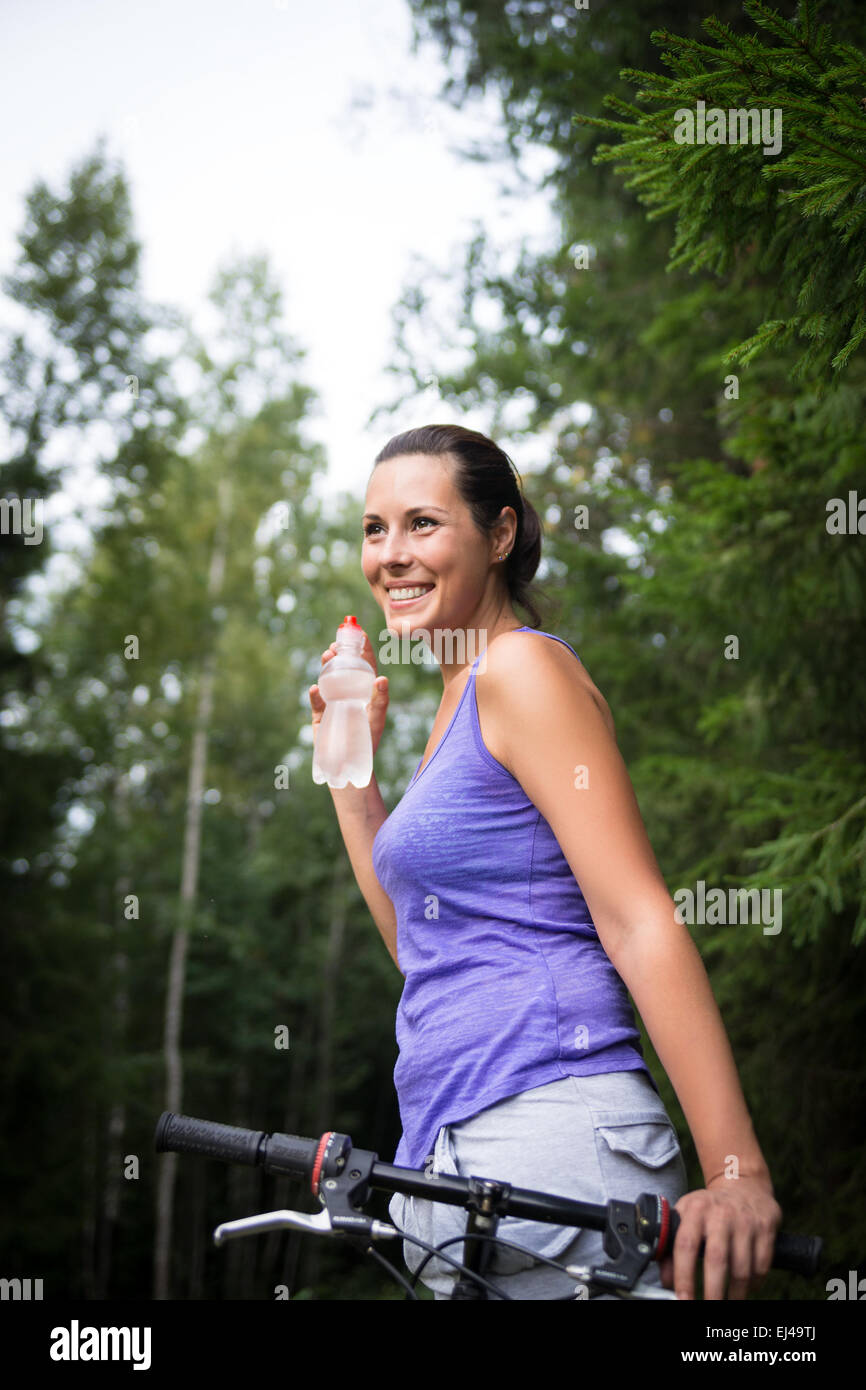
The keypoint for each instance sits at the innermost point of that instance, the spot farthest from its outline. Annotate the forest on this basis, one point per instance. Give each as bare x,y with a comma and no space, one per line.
182,929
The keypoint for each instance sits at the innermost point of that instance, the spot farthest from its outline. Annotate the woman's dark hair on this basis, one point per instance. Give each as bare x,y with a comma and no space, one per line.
487,481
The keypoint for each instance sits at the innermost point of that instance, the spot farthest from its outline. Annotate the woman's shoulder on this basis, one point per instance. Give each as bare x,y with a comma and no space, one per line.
522,653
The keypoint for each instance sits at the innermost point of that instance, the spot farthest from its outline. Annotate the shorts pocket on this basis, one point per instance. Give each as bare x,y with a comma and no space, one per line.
640,1153
649,1139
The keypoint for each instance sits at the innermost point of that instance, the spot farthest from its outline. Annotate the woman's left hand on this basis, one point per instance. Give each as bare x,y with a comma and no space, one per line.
738,1219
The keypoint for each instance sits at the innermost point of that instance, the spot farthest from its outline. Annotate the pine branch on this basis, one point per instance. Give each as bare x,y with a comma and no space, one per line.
723,199
812,140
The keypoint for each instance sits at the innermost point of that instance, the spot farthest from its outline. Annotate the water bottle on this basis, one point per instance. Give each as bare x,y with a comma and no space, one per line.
343,751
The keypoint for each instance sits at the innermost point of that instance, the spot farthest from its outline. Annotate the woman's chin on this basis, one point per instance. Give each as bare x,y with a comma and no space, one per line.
412,629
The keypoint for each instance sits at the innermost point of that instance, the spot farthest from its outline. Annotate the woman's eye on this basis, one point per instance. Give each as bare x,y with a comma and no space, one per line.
375,525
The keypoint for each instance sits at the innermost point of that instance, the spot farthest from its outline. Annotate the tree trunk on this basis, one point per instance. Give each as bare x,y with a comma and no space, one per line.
325,1117
199,1236
284,1250
324,1110
242,1187
188,891
89,1209
114,1177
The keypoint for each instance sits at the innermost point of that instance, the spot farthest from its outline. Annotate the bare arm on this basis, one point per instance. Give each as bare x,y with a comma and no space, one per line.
661,966
552,725
557,743
360,812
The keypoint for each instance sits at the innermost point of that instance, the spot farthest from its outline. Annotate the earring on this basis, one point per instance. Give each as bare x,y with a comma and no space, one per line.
505,556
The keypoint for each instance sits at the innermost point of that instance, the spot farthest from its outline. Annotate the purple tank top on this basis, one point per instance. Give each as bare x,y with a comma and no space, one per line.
507,983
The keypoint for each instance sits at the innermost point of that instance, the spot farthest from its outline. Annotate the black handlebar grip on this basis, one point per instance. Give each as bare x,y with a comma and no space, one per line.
802,1254
799,1254
290,1154
183,1134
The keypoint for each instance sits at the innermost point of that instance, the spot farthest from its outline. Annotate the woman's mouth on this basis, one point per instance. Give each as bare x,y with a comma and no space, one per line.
406,595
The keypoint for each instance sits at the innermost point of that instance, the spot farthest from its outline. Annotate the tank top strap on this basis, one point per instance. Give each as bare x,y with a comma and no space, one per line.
526,628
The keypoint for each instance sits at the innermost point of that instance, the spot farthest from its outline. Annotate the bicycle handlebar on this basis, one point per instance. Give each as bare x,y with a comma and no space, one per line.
294,1156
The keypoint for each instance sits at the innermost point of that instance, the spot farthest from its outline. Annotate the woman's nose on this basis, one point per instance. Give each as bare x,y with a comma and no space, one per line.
394,550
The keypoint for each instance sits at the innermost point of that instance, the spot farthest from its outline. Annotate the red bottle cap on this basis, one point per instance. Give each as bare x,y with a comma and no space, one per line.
351,621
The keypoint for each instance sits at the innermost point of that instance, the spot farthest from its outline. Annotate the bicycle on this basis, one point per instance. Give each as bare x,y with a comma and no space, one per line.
341,1178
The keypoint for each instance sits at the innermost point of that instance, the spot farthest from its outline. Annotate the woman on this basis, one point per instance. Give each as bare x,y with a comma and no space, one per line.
516,877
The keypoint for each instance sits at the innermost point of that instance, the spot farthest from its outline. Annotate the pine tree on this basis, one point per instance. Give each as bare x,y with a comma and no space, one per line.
748,771
797,216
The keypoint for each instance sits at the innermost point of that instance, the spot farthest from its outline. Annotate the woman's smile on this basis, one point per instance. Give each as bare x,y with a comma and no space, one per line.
409,589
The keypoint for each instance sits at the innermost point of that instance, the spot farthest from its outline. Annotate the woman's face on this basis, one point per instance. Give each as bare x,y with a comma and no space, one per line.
437,547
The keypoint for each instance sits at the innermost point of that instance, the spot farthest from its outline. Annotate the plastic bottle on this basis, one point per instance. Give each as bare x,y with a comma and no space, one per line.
343,751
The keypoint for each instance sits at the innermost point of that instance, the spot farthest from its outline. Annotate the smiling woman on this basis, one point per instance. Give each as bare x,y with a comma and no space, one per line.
515,885
471,488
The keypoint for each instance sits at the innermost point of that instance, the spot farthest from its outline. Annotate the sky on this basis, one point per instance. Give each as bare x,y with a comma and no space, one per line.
311,133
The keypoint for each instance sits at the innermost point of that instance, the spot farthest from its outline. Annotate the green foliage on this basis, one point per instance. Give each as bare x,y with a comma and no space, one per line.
280,936
748,764
798,215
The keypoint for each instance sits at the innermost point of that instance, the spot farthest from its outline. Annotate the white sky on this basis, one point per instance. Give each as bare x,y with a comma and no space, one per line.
233,121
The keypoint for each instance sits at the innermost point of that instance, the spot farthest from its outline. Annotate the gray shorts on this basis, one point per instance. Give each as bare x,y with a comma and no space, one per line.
591,1138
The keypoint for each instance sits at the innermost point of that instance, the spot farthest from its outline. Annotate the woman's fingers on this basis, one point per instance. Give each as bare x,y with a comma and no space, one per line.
688,1239
737,1225
378,702
378,708
699,1222
716,1258
742,1261
737,1228
317,704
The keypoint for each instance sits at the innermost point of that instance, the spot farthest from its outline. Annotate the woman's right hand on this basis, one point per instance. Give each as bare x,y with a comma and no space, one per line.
378,705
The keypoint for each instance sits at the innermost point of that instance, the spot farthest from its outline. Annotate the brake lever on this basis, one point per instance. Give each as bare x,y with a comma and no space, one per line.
585,1275
319,1224
341,1187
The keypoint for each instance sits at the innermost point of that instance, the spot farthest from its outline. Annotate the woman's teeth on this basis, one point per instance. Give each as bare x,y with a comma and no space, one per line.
405,595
